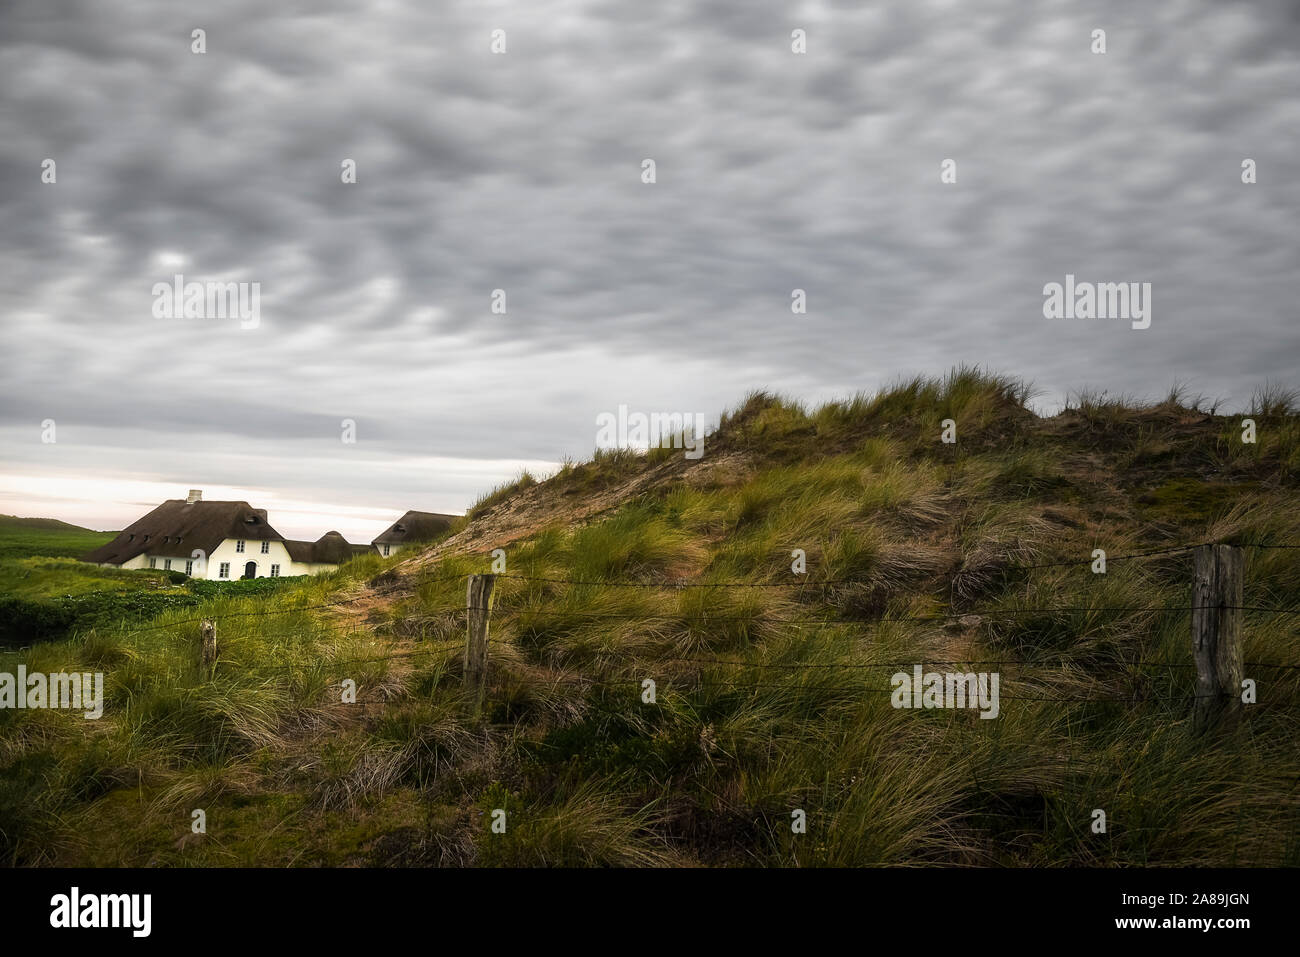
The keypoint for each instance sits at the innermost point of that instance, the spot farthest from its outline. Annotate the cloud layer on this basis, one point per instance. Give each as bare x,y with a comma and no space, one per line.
522,172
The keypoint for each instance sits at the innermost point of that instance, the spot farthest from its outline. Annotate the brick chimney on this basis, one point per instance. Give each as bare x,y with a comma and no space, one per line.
196,495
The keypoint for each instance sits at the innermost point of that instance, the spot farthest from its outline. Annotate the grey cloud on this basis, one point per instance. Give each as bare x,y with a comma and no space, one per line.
522,172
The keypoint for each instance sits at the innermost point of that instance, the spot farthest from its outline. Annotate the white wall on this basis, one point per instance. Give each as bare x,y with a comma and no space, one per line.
142,561
276,554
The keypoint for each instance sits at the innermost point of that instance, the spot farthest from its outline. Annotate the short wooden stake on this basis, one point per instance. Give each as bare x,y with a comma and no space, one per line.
208,630
1216,635
478,603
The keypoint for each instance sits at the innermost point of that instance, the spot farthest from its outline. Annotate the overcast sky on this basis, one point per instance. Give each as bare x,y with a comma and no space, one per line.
522,171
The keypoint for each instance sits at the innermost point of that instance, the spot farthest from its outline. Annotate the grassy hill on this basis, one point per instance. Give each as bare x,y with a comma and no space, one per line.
27,537
46,593
44,598
772,690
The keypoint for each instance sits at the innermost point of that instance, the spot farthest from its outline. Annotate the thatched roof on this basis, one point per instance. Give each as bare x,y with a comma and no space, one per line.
177,527
415,528
331,549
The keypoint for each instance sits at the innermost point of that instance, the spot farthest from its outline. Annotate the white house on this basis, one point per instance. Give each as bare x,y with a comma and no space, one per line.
412,529
219,540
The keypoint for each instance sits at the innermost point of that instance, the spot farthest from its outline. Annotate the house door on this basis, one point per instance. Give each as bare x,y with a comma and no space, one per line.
250,570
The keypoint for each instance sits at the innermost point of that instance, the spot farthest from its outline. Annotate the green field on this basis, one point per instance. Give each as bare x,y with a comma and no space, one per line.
40,577
26,537
46,593
45,596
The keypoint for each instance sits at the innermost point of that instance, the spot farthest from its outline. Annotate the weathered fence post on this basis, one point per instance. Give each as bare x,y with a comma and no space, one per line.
1216,635
208,631
478,603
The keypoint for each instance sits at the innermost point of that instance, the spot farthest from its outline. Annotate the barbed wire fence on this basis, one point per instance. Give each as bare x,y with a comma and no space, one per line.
1216,607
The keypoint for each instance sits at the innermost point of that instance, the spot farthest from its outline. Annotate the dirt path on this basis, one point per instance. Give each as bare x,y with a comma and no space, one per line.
538,507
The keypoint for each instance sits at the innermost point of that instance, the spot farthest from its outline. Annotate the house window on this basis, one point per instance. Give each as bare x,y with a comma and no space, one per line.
266,548
167,564
239,545
224,570
385,551
189,566
275,571
153,563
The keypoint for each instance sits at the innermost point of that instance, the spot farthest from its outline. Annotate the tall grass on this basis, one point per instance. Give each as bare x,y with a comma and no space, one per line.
769,703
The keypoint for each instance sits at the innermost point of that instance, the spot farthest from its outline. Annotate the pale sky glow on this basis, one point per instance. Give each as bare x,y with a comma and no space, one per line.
522,172
111,504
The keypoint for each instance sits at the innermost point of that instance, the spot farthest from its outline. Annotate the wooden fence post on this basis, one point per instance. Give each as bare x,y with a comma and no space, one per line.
1216,635
478,604
208,631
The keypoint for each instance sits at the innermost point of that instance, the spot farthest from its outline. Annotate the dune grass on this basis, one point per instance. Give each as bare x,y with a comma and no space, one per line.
769,703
